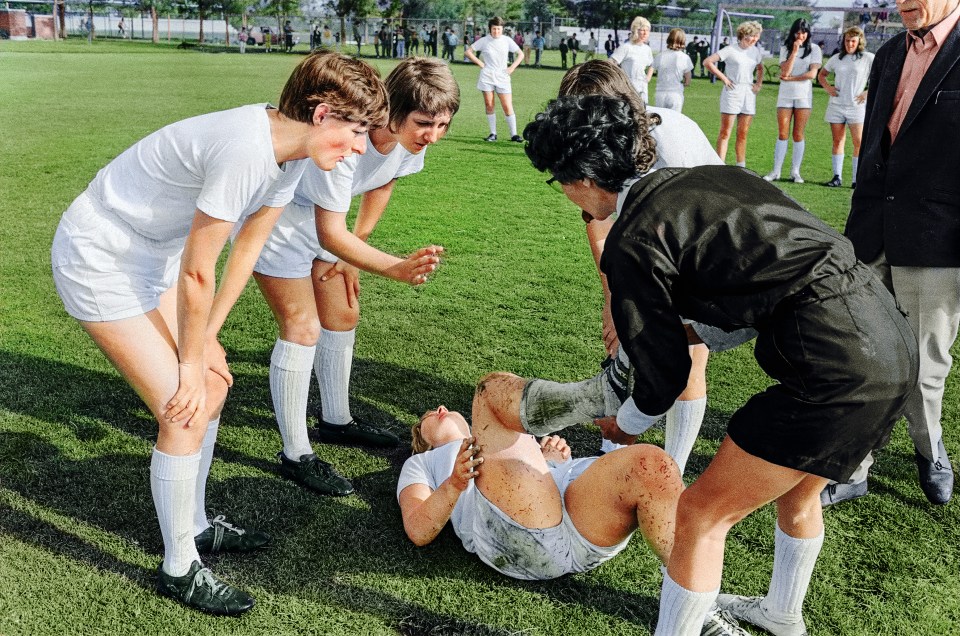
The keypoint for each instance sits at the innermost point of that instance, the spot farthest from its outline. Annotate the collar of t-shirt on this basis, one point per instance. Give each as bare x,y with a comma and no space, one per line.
622,197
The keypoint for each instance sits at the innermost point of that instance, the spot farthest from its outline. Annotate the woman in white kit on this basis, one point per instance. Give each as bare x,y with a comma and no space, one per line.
742,78
674,70
635,57
495,73
848,98
134,261
308,270
800,60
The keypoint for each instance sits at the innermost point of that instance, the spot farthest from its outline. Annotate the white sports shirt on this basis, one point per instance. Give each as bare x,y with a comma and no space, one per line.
804,89
670,67
740,63
634,60
221,163
493,52
850,76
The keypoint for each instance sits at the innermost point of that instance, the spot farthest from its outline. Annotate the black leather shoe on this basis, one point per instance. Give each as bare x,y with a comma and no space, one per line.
490,137
201,590
315,474
355,432
517,138
837,493
936,478
223,536
835,182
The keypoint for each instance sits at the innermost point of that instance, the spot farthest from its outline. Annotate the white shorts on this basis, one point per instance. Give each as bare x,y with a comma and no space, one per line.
840,114
103,269
538,554
787,102
672,100
499,89
293,245
739,101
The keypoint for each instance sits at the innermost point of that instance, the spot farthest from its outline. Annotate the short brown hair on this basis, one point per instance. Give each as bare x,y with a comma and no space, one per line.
352,88
495,21
603,77
417,443
676,40
853,31
421,84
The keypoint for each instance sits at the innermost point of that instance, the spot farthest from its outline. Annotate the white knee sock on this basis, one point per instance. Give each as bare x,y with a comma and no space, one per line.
200,522
332,367
856,164
173,481
838,164
793,561
290,367
797,161
512,123
779,154
492,122
683,425
682,612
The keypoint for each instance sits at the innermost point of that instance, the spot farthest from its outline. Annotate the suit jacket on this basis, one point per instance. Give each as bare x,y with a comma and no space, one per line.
907,199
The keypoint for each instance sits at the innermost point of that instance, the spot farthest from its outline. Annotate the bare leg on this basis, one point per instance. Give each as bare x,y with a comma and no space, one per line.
723,138
512,457
838,131
626,489
743,127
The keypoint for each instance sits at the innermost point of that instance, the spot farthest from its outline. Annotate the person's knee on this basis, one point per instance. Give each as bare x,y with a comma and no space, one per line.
341,317
699,512
300,327
216,393
495,383
650,469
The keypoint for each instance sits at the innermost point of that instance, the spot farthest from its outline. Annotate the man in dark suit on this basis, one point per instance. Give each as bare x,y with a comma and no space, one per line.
905,216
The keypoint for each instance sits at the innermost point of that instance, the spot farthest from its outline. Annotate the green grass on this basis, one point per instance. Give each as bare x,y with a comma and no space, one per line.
517,291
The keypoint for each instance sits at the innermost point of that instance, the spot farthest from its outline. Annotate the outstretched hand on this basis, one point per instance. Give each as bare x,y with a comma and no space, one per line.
416,268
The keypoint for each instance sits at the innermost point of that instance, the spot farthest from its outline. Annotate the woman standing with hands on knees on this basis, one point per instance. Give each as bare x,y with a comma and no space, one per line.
134,260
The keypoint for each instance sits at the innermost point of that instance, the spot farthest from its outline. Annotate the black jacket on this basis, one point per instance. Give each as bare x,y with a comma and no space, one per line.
907,200
715,244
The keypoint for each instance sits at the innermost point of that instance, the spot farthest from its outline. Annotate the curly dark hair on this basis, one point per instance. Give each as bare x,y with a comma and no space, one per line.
586,136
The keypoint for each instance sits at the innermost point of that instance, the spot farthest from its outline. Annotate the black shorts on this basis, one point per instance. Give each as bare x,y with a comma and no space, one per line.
846,361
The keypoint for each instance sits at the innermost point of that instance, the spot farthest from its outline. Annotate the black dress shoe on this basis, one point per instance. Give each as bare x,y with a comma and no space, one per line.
356,432
835,182
936,478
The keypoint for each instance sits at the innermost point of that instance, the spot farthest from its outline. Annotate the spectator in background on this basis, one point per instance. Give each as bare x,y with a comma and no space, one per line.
454,40
725,43
433,41
287,37
537,47
865,17
401,43
692,50
525,46
564,47
703,51
574,45
242,39
121,30
591,48
357,36
267,39
609,46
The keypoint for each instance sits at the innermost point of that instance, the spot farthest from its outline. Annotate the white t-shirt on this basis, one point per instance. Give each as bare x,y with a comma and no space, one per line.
634,60
221,163
740,63
804,89
493,52
670,67
850,76
680,142
332,190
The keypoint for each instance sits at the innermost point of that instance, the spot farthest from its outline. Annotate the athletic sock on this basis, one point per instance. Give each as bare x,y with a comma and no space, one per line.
173,482
200,522
512,123
838,164
682,612
797,161
683,425
290,366
332,367
492,122
856,164
779,154
741,164
793,562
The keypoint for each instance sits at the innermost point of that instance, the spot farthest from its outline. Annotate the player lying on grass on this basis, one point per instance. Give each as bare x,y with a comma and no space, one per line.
526,508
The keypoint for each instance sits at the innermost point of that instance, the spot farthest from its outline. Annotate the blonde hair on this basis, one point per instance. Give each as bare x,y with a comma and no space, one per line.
352,88
857,31
421,84
638,24
417,443
676,40
749,29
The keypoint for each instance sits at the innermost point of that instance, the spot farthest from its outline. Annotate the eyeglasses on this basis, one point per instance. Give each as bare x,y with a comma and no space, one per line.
556,185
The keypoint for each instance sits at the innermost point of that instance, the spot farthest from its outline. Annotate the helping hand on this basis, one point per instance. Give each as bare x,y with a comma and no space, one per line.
610,430
555,449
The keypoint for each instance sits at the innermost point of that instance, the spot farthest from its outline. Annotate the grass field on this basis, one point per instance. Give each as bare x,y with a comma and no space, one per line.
517,291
